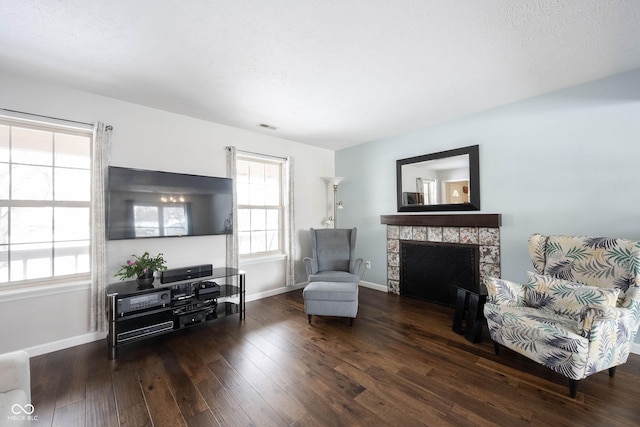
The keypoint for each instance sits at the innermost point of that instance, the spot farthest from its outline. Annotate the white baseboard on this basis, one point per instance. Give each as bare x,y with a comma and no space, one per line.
66,343
286,289
635,348
371,285
276,291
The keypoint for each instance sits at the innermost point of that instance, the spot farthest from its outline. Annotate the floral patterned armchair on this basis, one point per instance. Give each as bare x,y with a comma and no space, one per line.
579,312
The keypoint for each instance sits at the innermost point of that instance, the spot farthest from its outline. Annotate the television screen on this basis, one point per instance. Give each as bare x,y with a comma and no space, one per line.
144,204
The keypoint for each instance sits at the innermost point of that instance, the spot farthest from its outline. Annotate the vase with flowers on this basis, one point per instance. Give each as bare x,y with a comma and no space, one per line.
142,267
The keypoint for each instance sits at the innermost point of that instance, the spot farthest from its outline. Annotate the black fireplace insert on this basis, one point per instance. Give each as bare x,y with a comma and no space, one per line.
433,271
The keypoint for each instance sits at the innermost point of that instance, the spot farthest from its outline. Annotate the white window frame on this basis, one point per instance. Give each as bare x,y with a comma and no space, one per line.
280,207
9,203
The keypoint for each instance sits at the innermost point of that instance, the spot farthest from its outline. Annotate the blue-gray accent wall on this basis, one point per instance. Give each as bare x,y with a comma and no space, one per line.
563,163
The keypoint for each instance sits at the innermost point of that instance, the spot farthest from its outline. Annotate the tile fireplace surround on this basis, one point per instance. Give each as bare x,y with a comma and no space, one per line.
482,230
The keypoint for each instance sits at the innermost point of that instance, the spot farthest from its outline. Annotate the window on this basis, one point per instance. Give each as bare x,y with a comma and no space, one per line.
260,205
45,196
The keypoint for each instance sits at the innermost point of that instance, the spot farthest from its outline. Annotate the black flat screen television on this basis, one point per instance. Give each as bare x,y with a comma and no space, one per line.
147,204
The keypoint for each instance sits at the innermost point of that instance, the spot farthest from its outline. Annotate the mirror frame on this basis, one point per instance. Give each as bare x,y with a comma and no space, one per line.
474,180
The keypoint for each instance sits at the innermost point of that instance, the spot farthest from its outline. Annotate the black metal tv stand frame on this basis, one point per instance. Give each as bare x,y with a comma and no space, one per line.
136,314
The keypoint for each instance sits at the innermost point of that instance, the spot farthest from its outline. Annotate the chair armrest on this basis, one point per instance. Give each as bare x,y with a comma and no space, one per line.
608,330
632,303
504,292
356,265
592,316
632,297
15,373
311,265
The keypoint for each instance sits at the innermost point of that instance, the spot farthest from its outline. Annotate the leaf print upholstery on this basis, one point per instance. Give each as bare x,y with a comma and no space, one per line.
562,270
579,313
539,299
600,242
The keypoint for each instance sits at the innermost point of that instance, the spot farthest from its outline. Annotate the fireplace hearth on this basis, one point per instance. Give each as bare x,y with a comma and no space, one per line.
479,231
433,271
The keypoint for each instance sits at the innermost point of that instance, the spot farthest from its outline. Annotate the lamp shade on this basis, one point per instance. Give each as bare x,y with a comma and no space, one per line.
333,180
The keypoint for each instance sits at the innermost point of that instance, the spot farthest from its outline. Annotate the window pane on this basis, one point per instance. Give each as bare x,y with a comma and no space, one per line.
71,258
72,151
244,242
256,172
242,171
256,194
273,243
71,224
243,193
4,263
272,195
33,147
4,225
30,225
273,219
258,219
30,261
31,183
72,184
244,220
4,143
272,174
4,181
258,241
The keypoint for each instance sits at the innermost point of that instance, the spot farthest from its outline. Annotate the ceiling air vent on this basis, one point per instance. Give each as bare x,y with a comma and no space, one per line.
266,126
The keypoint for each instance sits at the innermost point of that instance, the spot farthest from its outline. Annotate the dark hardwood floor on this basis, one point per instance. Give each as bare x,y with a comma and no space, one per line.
399,365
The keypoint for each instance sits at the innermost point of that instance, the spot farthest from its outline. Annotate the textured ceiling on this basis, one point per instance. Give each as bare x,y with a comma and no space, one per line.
328,73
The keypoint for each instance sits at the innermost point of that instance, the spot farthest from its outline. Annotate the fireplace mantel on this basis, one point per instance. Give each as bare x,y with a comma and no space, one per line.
452,220
482,230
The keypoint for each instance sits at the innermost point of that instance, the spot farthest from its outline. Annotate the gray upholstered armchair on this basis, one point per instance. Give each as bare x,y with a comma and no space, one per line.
333,256
15,386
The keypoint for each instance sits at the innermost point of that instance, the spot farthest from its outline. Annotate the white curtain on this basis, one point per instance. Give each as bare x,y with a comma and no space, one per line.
289,224
99,279
232,239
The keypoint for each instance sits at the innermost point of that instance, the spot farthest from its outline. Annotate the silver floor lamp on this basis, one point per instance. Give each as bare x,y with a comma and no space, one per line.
334,181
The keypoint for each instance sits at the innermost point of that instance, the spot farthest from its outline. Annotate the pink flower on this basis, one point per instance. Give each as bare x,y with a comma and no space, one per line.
144,271
131,262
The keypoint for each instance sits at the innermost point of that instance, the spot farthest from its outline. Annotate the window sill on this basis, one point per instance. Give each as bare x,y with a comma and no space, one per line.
261,259
37,291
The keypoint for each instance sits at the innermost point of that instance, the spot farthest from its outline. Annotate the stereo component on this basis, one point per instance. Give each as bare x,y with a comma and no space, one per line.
187,306
206,290
186,273
130,303
189,319
144,331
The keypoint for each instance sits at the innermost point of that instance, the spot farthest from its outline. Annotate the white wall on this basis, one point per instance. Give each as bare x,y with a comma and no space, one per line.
147,138
563,163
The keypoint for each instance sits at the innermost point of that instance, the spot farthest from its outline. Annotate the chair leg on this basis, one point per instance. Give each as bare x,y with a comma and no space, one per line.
612,372
309,319
573,388
496,348
350,321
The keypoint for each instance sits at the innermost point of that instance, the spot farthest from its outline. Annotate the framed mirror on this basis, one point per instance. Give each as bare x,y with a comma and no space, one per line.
444,181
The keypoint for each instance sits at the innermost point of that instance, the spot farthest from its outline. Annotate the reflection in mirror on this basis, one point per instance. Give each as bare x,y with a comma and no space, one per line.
447,180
